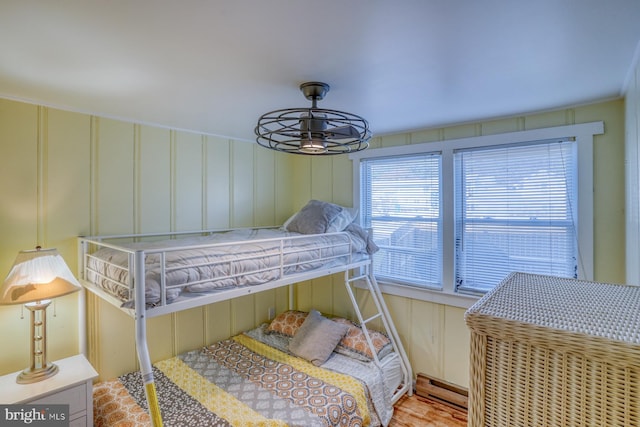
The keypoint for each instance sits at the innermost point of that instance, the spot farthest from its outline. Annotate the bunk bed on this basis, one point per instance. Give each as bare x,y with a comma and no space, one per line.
183,270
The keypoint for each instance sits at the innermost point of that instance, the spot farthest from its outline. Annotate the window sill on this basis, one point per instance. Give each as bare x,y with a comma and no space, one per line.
422,294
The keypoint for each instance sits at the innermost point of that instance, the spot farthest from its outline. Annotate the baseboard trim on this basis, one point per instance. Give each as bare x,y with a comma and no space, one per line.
442,391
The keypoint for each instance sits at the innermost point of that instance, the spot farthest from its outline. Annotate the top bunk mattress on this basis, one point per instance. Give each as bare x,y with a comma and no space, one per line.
217,261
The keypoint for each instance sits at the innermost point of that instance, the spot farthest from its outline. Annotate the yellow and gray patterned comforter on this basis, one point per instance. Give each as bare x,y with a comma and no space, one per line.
243,382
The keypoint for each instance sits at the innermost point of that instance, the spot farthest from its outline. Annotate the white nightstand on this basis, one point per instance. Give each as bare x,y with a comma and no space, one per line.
72,385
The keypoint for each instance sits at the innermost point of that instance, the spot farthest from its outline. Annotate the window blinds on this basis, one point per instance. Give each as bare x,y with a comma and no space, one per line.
401,202
515,210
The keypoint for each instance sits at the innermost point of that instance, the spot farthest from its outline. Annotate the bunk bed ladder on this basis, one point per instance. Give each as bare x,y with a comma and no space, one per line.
381,313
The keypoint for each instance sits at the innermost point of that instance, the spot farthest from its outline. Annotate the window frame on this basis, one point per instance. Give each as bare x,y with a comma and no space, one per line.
568,221
431,155
582,133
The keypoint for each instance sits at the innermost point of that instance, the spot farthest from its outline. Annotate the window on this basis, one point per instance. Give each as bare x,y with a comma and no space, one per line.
455,217
514,210
401,203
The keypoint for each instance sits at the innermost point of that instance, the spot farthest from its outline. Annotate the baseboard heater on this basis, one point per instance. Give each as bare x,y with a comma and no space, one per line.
442,391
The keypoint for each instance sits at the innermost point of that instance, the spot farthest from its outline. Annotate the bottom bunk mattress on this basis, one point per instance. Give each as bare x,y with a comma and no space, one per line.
252,380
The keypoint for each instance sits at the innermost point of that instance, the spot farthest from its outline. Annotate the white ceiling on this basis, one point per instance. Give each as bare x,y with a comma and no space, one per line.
215,66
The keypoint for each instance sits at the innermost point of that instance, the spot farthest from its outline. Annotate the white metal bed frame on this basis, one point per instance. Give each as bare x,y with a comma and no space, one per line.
355,269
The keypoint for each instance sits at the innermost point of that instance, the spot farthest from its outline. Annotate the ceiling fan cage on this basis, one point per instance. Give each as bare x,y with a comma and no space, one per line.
313,130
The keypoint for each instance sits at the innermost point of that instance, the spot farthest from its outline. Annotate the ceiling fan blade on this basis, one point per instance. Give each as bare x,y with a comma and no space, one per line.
343,132
315,124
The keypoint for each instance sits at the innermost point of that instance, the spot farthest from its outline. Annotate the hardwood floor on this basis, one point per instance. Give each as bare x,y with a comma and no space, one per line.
420,411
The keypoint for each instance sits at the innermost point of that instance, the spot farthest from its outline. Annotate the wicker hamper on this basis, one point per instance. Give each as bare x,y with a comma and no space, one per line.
548,351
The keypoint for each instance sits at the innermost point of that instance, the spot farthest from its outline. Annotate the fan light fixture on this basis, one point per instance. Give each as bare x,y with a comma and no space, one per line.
313,130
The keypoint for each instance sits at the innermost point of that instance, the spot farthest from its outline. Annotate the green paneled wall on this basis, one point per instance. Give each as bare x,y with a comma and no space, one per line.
65,174
435,335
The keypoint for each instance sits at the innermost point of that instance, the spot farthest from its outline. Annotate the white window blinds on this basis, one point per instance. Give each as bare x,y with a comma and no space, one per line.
515,210
401,202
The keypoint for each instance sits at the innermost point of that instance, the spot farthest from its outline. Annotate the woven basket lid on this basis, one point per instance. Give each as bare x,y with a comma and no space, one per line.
601,310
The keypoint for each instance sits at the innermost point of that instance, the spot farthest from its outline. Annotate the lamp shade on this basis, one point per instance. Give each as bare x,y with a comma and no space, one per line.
37,275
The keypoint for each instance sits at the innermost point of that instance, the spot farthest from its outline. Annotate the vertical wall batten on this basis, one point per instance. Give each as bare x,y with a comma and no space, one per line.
41,175
280,202
570,116
203,194
93,175
174,336
173,224
173,186
231,186
92,330
137,180
254,221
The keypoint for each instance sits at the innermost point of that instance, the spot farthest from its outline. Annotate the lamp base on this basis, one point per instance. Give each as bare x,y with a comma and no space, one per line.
30,375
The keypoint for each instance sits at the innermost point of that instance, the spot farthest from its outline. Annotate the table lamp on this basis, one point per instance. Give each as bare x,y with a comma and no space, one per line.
36,277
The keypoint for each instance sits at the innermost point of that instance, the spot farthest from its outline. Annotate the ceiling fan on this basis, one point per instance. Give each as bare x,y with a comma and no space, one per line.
313,130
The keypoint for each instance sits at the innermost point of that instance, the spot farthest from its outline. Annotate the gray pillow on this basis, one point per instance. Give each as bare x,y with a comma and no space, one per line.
317,338
342,221
355,230
315,217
